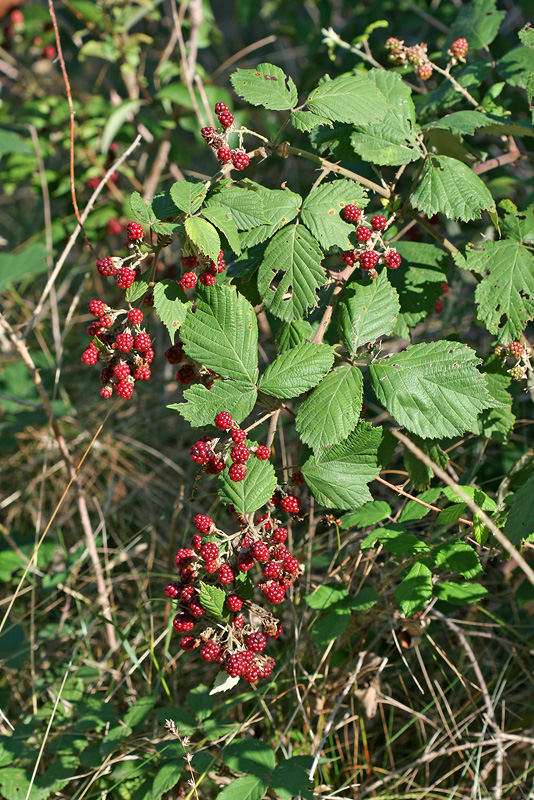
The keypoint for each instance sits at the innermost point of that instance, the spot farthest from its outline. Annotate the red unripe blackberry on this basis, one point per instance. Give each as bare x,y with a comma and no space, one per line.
212,566
124,278
266,520
203,523
352,213
265,670
206,278
234,665
226,119
149,355
279,535
256,642
106,392
106,321
124,342
238,435
439,306
273,592
142,373
209,551
135,231
195,608
240,159
290,564
459,48
188,280
271,569
225,574
223,421
224,154
290,504
392,259
187,643
185,374
90,355
97,308
262,452
424,70
281,553
183,556
239,622
363,234
221,263
172,590
121,370
516,349
445,288
183,623
49,52
245,561
106,266
196,542
200,453
240,453
215,466
251,674
142,342
234,602
114,227
210,651
106,374
369,259
187,593
237,472
189,262
174,354
94,329
135,316
260,551
378,222
16,16
349,257
220,107
188,575
208,132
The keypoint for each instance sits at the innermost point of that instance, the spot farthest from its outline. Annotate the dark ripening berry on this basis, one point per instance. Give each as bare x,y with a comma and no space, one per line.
349,257
135,316
352,213
262,452
220,107
223,421
208,132
439,306
224,154
185,374
234,602
369,259
188,280
238,435
378,222
210,651
106,266
256,642
226,119
215,466
203,523
135,231
124,342
290,504
172,590
106,374
183,623
240,159
363,234
124,278
266,520
187,643
245,561
174,354
240,453
237,472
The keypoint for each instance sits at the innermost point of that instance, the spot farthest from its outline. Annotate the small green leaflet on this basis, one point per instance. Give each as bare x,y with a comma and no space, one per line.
457,557
138,288
415,590
244,202
249,755
520,523
171,305
223,334
251,493
369,514
307,120
321,212
497,423
395,541
279,206
449,187
478,22
434,389
267,86
141,211
212,599
249,787
350,98
332,410
28,262
368,312
188,195
330,626
413,510
418,283
364,600
297,370
460,593
204,236
202,405
291,273
505,295
419,474
223,220
290,334
338,476
327,595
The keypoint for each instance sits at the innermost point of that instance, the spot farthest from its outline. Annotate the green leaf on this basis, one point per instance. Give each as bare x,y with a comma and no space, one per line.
460,593
467,122
138,289
520,523
332,410
223,334
223,220
212,599
307,120
202,405
505,295
15,784
113,738
396,541
291,273
267,86
483,500
326,596
392,141
449,187
245,204
419,474
247,788
457,557
188,195
321,212
364,600
412,510
11,142
369,514
434,389
338,476
204,236
349,98
330,627
27,263
141,211
418,283
249,755
291,334
290,776
415,590
478,22
116,120
297,370
251,493
171,305
140,710
166,778
367,312
224,682
451,514
279,206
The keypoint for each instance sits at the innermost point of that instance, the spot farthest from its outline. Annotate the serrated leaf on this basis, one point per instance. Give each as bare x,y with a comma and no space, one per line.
248,788
419,474
483,500
364,600
332,410
223,220
224,682
457,557
460,593
245,204
290,777
505,295
520,523
138,289
141,211
350,98
497,423
15,784
279,206
367,312
202,405
326,596
212,599
321,212
467,122
338,476
415,590
307,120
369,514
249,755
265,85
418,282
449,187
296,371
171,305
330,626
166,777
478,22
434,389
204,236
451,514
291,334
291,273
188,195
140,710
395,541
251,493
223,334
413,510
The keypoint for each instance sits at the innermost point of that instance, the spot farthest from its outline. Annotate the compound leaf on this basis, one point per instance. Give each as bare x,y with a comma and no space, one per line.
171,305
368,312
349,98
267,86
297,370
448,186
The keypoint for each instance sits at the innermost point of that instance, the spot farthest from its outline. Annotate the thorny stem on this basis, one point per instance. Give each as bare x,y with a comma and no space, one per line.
375,187
329,310
459,88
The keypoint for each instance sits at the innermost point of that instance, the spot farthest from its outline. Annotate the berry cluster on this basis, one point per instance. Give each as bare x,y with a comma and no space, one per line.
369,236
520,354
218,139
200,269
416,55
233,642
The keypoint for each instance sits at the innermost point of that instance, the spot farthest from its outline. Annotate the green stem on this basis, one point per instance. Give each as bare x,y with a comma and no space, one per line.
374,187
